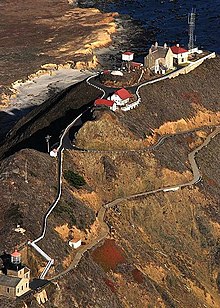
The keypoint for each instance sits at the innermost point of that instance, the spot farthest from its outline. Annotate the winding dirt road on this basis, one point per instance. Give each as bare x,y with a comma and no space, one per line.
101,214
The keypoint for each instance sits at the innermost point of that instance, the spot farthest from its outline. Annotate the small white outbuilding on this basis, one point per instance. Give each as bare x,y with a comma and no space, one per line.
75,243
127,56
53,153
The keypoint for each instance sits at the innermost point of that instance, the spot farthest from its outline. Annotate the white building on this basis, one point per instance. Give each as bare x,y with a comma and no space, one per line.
75,243
159,59
180,55
105,102
53,153
128,56
121,97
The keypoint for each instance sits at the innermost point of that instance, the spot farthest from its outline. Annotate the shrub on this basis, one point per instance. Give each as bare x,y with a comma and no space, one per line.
74,179
64,209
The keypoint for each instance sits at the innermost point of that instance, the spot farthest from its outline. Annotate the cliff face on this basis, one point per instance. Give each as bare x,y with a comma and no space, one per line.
162,249
49,118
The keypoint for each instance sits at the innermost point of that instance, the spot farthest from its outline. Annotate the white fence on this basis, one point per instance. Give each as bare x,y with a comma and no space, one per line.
131,106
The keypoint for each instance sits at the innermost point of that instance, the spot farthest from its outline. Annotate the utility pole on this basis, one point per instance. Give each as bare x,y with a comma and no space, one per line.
26,172
191,23
48,142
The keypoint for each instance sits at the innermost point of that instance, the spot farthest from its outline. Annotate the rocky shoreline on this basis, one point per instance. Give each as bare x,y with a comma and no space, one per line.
68,38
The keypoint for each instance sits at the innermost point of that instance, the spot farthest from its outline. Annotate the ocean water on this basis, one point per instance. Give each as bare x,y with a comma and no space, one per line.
167,20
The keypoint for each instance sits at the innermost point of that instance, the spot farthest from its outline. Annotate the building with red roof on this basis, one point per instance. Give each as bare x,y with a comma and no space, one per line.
121,97
163,58
105,102
136,65
127,56
177,49
180,54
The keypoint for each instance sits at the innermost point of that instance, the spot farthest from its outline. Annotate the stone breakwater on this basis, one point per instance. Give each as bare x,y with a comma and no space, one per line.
61,37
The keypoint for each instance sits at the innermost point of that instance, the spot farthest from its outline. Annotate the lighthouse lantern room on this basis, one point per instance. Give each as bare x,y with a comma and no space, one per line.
15,257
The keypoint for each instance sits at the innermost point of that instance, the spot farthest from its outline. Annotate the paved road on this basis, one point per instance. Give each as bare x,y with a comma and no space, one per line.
60,165
92,80
159,142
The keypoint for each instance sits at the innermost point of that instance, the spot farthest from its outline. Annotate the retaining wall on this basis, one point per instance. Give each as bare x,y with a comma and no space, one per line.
191,66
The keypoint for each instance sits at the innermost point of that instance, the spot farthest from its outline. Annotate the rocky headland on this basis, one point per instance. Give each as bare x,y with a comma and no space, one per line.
164,246
151,250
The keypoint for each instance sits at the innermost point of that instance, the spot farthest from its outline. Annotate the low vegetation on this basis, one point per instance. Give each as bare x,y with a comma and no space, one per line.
74,179
65,210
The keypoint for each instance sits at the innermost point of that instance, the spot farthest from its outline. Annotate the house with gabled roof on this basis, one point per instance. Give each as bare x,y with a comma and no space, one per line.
105,102
159,59
180,54
121,97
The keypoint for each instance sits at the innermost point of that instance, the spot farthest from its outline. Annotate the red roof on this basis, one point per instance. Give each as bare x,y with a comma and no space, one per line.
128,53
15,254
105,102
177,49
123,93
106,72
136,64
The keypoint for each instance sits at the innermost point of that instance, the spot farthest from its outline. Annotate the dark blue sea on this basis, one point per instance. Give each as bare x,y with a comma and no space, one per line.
167,20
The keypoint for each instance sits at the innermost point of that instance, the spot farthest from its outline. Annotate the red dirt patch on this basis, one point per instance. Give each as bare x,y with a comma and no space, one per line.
111,285
137,275
108,256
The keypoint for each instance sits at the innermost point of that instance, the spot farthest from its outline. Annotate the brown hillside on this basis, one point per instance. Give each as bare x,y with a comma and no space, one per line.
162,250
182,103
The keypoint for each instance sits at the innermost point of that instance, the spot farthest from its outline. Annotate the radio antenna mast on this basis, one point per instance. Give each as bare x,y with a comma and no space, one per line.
191,23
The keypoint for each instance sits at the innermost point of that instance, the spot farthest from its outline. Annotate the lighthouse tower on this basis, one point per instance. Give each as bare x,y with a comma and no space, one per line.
16,257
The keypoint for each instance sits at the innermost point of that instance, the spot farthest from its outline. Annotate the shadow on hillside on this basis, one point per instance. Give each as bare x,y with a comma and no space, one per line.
9,119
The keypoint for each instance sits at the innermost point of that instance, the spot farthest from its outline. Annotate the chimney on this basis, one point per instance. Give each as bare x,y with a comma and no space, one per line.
177,45
156,45
165,45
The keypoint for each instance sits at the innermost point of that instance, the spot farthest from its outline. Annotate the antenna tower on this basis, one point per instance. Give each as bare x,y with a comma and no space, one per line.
191,23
